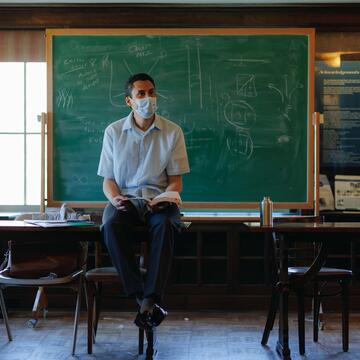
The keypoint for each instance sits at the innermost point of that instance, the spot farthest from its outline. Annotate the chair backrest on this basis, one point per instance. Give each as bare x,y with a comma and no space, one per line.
35,259
300,253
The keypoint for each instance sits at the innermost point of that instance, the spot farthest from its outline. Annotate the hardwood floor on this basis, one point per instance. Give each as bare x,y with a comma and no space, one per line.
182,336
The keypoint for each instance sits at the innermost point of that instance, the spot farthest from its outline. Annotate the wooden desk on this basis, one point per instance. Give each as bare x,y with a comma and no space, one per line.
22,231
282,230
18,230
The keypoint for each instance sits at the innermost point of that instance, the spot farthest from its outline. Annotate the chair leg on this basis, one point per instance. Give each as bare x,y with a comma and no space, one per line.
4,314
40,303
77,314
274,304
97,306
141,341
86,295
151,343
90,293
345,314
316,311
301,319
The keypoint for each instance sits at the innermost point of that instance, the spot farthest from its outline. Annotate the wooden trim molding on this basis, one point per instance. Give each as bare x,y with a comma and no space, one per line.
325,17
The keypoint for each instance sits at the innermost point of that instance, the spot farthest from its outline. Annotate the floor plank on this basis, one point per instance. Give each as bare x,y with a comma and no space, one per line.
183,336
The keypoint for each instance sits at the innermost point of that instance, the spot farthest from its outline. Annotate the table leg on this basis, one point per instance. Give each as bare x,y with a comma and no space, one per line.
282,346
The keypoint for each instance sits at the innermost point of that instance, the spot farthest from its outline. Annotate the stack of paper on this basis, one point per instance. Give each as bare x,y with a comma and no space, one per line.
59,223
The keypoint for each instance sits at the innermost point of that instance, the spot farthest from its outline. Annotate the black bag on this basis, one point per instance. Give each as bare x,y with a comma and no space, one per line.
32,260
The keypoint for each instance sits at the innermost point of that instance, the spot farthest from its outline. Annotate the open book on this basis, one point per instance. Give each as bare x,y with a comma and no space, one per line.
167,196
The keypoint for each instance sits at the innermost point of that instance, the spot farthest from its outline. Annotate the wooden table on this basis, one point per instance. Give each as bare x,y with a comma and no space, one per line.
283,230
20,231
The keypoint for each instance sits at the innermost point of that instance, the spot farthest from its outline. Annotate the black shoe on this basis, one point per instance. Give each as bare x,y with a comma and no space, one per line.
144,320
158,315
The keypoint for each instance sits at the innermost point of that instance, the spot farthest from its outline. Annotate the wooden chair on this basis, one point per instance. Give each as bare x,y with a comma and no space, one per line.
95,278
297,283
73,280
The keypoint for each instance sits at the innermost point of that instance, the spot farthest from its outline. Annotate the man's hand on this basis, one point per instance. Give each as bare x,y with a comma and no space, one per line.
120,202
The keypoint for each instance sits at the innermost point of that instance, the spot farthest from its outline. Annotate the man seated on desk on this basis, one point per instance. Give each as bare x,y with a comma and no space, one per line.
143,155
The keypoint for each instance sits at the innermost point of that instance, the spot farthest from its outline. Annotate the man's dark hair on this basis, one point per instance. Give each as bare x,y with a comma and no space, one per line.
136,77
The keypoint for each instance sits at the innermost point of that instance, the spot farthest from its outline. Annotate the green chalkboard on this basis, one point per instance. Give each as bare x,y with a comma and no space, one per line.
242,97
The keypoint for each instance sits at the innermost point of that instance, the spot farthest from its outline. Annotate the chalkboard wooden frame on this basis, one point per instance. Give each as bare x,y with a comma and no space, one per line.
309,33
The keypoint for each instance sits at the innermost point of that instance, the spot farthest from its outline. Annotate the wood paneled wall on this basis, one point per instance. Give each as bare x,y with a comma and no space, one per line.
334,17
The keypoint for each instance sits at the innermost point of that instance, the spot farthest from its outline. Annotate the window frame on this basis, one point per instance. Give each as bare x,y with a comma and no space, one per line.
25,133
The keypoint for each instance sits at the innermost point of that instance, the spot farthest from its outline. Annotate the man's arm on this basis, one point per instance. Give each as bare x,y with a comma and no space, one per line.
174,183
113,194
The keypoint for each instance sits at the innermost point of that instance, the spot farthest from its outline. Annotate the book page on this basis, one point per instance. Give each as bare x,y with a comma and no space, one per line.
170,196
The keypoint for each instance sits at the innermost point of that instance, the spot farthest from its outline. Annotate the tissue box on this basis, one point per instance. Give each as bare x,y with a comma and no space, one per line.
347,192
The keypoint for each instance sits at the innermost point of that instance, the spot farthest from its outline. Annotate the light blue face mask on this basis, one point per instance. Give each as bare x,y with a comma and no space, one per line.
146,107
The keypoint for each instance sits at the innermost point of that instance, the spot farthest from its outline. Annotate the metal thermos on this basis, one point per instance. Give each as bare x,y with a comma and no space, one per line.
266,210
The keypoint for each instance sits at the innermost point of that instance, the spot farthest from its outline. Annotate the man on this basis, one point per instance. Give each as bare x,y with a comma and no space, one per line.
143,155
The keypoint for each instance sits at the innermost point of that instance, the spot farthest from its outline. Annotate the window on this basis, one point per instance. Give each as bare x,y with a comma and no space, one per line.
23,98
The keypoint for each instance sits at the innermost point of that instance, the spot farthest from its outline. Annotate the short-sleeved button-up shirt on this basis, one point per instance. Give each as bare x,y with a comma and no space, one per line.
140,162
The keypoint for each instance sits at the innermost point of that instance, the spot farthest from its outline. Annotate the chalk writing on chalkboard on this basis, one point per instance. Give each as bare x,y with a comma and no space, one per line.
242,100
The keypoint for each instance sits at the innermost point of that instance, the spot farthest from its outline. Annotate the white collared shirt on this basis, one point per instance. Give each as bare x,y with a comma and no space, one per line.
139,162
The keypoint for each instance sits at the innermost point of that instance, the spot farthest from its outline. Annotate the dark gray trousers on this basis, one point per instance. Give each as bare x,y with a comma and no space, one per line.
119,238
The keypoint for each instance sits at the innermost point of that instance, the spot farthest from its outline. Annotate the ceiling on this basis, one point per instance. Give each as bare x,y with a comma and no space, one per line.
201,2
